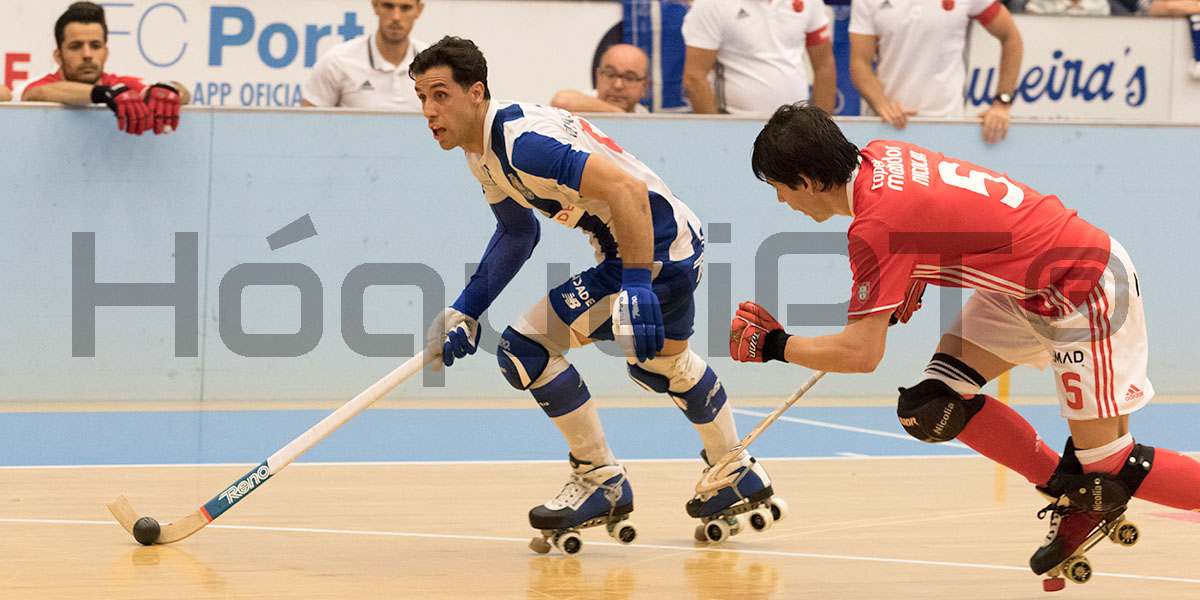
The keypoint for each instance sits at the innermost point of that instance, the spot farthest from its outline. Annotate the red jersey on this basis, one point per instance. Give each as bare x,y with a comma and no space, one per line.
134,83
918,214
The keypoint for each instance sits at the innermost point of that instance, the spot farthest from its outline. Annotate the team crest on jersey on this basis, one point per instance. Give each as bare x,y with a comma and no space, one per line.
798,5
864,291
948,4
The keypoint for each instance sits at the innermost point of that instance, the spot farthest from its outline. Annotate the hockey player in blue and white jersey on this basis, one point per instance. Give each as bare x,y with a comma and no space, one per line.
649,249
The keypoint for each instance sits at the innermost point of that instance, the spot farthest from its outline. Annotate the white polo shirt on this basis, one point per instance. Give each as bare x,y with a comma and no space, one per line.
921,48
354,74
760,48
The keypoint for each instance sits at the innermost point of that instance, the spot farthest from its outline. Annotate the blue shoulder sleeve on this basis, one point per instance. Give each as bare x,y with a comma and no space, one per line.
517,232
547,157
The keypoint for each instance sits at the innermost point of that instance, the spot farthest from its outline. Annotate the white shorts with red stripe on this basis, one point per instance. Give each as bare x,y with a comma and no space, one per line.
1099,351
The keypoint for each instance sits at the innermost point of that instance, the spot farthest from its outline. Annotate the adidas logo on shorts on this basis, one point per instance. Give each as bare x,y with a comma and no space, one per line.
1133,394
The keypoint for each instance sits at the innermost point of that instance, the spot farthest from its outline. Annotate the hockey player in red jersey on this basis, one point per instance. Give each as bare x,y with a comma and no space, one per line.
1050,289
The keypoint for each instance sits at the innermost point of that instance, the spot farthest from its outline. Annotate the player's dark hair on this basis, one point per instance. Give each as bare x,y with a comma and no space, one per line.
80,12
466,62
801,140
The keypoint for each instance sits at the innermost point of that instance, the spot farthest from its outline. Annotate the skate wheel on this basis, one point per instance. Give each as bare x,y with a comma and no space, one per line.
717,531
699,534
569,542
1125,534
760,519
779,509
1054,584
1078,569
624,531
539,545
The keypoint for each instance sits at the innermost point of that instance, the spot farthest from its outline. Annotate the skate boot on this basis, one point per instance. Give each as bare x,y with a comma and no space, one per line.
1076,528
595,495
746,502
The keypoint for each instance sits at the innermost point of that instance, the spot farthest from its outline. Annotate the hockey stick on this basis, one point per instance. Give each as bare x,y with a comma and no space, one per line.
177,530
709,482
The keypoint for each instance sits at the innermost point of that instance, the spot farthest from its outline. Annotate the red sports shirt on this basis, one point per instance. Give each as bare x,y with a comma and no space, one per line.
918,214
134,83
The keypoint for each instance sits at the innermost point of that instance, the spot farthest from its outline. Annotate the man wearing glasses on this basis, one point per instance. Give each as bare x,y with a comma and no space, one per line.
621,81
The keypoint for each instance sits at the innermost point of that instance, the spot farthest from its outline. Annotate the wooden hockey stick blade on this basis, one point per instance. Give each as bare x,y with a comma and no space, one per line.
178,530
709,482
168,532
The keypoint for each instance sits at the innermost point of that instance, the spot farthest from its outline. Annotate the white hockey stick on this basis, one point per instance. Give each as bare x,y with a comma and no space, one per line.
177,530
709,482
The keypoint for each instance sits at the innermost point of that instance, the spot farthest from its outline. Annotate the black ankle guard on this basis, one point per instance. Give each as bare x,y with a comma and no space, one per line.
1099,492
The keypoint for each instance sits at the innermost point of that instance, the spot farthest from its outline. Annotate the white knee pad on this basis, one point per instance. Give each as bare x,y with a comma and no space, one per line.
678,373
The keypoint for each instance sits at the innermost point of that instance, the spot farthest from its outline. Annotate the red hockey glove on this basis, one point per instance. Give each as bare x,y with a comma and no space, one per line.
755,336
163,102
132,114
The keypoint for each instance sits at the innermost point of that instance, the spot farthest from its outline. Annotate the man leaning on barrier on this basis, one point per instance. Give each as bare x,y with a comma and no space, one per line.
81,35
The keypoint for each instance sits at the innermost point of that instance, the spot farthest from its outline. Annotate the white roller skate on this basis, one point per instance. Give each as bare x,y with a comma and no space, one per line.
593,496
746,502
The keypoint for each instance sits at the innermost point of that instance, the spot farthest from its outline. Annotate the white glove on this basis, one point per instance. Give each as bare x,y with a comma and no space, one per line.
451,335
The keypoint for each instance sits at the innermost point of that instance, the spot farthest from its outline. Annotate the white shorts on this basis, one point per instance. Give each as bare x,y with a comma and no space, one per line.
1099,351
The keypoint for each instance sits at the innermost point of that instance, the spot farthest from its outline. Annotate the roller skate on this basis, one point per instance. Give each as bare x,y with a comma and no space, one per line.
595,495
1074,530
747,502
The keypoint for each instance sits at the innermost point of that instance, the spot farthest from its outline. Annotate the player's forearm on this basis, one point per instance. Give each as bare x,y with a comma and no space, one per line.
1011,50
824,88
868,85
830,353
576,101
71,93
184,96
704,102
633,224
1173,8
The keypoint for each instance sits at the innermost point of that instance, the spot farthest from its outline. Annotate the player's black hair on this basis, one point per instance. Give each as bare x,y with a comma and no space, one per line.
801,140
463,57
80,12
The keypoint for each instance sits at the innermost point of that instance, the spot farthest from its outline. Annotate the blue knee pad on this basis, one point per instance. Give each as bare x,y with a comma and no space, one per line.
704,400
521,359
689,380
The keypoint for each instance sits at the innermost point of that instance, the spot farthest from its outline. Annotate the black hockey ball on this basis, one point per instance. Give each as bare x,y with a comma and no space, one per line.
146,530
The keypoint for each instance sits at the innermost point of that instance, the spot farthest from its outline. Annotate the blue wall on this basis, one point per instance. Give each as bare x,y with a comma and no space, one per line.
379,190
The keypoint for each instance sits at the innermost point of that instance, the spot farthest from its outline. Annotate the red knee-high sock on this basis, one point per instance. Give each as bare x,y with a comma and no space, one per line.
1173,480
1002,435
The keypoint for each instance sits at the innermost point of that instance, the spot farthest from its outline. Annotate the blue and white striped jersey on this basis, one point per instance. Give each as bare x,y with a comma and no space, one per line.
535,155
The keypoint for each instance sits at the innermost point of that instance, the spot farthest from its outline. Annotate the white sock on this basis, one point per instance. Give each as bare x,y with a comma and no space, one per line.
718,435
584,435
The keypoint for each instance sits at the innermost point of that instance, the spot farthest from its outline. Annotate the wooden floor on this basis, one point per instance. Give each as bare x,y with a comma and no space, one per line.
859,528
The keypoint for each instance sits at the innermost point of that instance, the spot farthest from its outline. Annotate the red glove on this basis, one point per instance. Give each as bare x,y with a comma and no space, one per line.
162,100
912,301
132,114
755,336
